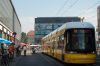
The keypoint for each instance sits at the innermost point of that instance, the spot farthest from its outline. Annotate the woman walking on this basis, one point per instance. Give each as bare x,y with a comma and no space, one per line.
24,49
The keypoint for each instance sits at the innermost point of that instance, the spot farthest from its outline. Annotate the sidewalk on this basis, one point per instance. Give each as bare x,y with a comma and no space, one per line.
16,59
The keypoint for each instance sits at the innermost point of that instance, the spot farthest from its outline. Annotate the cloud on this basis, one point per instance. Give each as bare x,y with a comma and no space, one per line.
27,23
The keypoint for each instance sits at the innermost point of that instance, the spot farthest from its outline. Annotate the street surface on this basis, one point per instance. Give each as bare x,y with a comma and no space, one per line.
39,59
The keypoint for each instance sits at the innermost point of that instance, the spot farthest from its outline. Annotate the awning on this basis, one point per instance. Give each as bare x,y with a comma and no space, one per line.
2,39
23,44
5,41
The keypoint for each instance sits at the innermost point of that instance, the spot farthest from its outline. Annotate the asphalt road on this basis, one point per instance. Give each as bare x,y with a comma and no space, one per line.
37,60
40,59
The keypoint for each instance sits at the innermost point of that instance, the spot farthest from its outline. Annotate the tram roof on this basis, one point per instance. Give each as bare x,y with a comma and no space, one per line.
70,25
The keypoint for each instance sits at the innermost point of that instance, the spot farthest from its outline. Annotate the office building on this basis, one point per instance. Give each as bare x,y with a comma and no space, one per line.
44,25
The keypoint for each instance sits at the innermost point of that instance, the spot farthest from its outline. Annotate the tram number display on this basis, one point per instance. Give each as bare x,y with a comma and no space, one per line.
82,31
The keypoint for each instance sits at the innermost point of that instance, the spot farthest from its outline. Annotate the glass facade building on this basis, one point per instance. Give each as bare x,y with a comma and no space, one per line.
45,25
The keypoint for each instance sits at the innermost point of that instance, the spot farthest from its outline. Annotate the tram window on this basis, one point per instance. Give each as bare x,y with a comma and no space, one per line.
80,39
67,41
61,42
82,31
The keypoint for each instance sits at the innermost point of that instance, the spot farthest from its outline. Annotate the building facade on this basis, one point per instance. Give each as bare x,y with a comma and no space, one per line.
98,21
9,22
98,30
44,25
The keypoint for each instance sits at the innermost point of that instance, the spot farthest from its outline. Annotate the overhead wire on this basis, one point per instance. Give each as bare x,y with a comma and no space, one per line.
70,6
62,7
92,6
86,10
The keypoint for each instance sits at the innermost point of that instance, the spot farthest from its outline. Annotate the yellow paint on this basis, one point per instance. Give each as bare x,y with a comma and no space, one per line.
80,58
59,54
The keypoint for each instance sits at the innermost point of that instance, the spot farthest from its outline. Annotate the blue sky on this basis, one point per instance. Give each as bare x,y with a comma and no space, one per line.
27,10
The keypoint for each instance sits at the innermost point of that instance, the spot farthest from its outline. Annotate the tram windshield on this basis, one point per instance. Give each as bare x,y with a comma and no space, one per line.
81,40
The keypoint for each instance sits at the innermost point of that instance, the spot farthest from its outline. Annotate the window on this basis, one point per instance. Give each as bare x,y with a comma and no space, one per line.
80,40
61,42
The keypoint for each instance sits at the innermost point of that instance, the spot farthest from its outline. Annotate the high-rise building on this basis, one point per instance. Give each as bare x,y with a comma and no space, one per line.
44,25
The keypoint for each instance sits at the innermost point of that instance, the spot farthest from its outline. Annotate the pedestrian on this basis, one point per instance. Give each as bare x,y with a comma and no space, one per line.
18,50
5,58
24,49
11,49
2,48
0,57
33,50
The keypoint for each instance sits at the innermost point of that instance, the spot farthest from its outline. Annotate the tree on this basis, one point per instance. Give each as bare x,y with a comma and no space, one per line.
24,37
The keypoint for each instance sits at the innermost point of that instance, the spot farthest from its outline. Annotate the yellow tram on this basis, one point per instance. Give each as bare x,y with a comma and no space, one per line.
73,42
